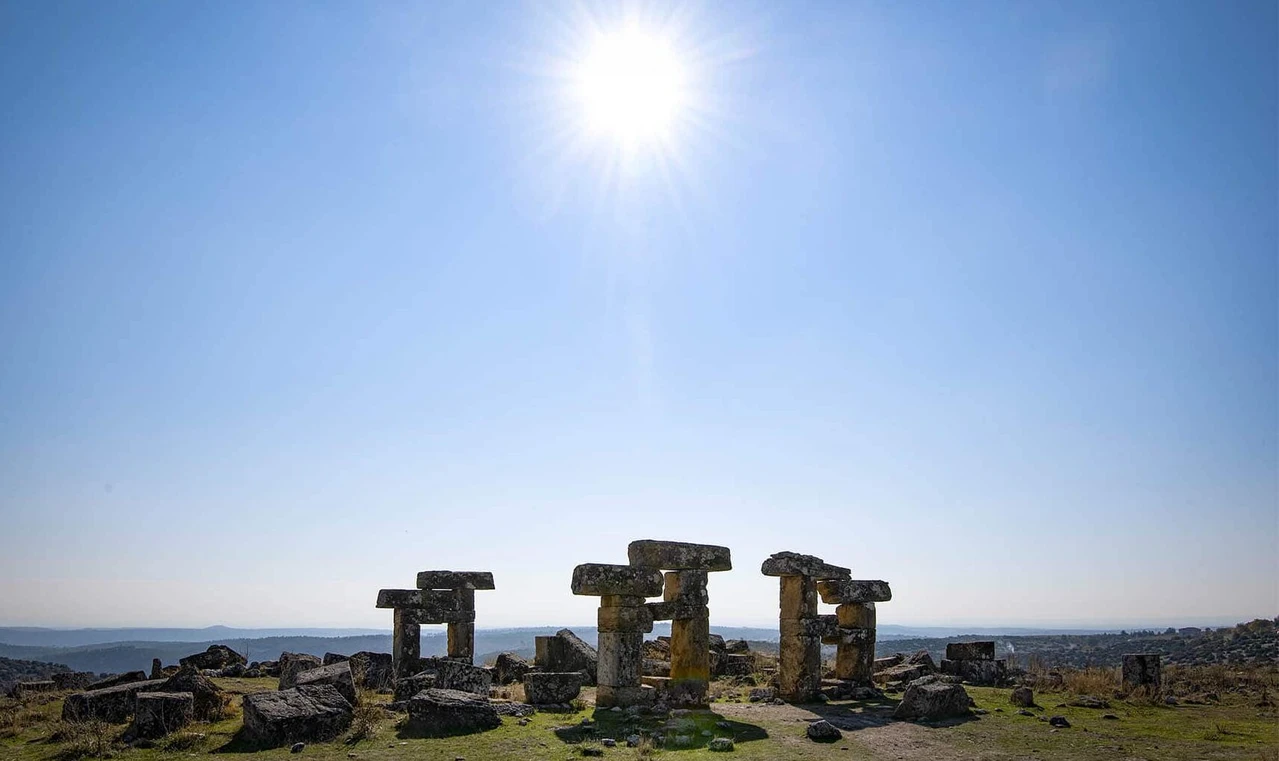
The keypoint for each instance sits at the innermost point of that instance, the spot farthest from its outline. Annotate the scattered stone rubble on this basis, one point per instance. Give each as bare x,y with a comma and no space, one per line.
803,630
932,698
975,663
156,714
441,597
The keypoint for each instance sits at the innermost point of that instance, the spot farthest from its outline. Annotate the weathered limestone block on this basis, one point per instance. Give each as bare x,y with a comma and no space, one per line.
337,675
855,615
735,664
737,646
621,655
1023,697
817,626
795,564
798,598
931,700
206,697
690,650
686,587
671,611
215,657
510,668
679,556
24,690
408,686
157,669
455,580
439,712
566,652
461,641
799,668
114,681
888,662
607,696
902,672
292,664
73,680
156,714
372,671
625,619
847,591
458,675
855,660
970,651
844,636
1142,670
113,705
443,599
620,601
982,673
655,667
299,714
548,688
406,644
331,658
600,579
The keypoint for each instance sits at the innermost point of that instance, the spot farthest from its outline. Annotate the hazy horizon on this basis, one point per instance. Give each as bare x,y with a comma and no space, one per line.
298,299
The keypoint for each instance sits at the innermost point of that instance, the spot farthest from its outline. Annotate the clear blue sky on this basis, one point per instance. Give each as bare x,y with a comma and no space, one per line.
297,299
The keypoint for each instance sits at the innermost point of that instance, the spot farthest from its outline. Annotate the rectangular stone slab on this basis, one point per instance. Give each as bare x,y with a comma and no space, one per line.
437,616
679,556
419,598
840,592
676,611
971,651
816,626
599,579
795,564
628,619
455,580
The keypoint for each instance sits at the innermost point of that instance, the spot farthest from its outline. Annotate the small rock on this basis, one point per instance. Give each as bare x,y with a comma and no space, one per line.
1023,696
720,745
1110,717
1170,700
632,741
297,747
1024,712
593,752
823,731
1059,721
608,742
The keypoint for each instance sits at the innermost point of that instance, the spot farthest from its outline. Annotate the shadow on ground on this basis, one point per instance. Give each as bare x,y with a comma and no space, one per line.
683,732
854,715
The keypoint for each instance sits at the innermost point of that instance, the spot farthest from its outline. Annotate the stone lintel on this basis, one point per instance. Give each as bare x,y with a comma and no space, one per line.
420,598
840,592
455,580
438,616
679,556
795,564
599,579
676,611
817,626
848,636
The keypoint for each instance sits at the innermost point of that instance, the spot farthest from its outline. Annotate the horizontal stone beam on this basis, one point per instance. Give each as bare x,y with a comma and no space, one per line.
795,564
971,651
599,579
434,615
817,626
679,556
848,636
455,580
677,610
841,592
420,598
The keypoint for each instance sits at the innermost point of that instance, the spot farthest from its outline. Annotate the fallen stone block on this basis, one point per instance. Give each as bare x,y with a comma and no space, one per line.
600,579
679,556
215,657
408,686
372,671
25,690
655,667
737,646
206,698
927,700
888,662
292,664
566,652
299,714
795,564
127,677
336,675
845,591
981,673
455,580
458,675
73,680
510,668
156,714
735,664
437,712
970,651
1023,697
1142,670
113,705
546,688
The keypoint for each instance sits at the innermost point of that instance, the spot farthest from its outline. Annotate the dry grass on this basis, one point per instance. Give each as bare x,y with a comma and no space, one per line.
85,739
367,718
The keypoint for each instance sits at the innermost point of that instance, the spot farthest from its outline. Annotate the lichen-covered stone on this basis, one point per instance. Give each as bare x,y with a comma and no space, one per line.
73,680
548,688
932,700
798,598
676,610
24,690
292,664
156,714
970,651
566,652
625,619
621,656
461,639
510,668
1142,670
608,696
823,731
113,705
408,686
849,591
372,671
981,673
1023,697
299,714
679,556
215,657
458,675
735,664
602,579
455,580
691,658
206,697
438,712
336,675
127,677
799,668
795,564
406,643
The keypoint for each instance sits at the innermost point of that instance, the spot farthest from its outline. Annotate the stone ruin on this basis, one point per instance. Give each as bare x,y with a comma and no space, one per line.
1142,670
441,597
803,630
975,663
624,618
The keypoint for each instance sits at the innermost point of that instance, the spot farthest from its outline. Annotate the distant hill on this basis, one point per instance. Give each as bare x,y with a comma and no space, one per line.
42,637
14,671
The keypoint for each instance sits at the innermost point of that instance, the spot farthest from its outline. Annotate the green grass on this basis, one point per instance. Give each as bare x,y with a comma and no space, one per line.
1234,729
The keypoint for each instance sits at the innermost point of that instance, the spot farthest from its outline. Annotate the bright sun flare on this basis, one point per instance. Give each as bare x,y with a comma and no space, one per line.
631,86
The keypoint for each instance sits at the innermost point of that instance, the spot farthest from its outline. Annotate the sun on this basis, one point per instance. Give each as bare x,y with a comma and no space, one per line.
631,86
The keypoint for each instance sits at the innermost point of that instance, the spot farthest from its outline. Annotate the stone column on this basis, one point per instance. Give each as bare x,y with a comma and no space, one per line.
799,663
442,597
623,620
406,644
855,656
461,633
